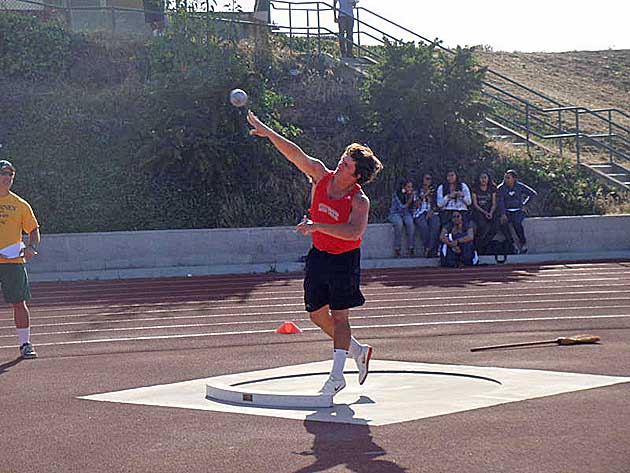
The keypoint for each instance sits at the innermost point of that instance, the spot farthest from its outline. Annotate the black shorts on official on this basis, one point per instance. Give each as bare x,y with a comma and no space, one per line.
332,280
14,282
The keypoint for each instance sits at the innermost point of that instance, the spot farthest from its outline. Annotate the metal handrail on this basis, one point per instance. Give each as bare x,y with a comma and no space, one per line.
530,109
331,8
580,110
326,30
426,40
437,43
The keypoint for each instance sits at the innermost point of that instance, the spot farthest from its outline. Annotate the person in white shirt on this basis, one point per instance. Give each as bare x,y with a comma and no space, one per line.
451,196
344,17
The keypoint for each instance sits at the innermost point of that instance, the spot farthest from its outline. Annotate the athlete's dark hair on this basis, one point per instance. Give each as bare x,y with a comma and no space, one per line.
367,164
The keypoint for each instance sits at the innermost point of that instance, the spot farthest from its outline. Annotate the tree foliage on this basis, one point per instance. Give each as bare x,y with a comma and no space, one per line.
424,107
129,134
31,48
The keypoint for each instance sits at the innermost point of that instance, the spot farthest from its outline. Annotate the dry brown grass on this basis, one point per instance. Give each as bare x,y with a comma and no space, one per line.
593,79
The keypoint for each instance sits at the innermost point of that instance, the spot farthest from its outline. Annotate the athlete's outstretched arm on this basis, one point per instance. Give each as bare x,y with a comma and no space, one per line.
353,230
312,167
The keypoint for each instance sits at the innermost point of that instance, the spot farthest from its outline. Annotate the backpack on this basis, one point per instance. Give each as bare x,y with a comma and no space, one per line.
500,249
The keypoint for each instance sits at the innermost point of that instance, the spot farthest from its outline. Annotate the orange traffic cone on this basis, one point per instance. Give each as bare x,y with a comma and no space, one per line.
288,327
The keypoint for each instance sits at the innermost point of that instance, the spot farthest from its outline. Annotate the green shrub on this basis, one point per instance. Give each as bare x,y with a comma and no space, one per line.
423,108
31,48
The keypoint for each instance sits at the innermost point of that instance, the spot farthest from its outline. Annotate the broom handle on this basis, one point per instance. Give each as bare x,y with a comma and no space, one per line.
510,345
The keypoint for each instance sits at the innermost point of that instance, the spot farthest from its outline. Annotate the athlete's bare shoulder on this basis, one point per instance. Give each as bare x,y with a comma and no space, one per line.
360,199
317,171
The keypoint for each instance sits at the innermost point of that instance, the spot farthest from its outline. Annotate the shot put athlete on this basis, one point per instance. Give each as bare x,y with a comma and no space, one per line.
338,217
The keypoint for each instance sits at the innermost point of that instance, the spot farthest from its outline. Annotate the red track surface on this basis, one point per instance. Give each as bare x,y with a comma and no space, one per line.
105,336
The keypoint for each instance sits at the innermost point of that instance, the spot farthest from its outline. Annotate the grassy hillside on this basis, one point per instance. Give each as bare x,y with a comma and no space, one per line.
594,79
136,134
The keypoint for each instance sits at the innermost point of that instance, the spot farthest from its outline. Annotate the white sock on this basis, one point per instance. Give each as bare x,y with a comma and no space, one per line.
24,334
339,361
355,348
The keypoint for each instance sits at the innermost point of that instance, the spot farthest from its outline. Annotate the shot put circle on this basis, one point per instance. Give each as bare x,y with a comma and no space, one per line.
301,390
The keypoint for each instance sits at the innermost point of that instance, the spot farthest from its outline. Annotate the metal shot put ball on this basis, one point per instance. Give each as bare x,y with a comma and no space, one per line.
238,98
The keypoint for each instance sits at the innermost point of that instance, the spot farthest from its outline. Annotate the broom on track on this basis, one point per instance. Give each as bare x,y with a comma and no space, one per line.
574,340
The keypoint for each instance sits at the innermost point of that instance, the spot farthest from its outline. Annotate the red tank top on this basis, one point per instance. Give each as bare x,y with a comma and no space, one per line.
326,210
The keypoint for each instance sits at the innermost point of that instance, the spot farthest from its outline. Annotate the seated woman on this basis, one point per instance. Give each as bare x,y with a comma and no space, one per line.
451,196
457,240
484,199
401,215
426,217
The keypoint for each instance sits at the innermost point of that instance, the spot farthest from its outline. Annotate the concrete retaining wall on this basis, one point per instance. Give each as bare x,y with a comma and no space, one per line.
135,254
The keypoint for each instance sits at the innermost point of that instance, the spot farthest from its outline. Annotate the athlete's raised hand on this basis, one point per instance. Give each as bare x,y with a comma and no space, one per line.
260,129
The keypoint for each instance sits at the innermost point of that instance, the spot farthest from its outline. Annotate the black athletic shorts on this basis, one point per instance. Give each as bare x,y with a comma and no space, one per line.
332,280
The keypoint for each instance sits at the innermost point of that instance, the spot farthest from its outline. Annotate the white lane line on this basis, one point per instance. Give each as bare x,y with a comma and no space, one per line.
356,315
275,322
370,272
201,289
299,301
299,306
10,326
298,293
308,329
389,273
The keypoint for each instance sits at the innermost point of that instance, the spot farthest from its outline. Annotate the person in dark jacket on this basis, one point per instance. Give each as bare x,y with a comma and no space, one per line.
513,195
458,248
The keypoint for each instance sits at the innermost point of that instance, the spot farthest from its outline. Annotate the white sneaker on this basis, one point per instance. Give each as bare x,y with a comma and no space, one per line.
27,351
333,385
363,362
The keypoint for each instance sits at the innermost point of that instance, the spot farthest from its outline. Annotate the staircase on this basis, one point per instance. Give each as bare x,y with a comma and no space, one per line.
612,172
599,140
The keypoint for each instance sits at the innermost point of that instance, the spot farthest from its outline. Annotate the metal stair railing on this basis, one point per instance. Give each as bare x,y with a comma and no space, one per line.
538,110
523,108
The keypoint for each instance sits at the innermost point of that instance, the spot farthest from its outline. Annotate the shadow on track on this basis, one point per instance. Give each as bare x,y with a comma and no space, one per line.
437,277
9,364
350,445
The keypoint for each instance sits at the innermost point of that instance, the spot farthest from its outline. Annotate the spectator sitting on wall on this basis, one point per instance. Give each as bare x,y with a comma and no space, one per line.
426,217
484,206
457,239
454,195
513,195
401,215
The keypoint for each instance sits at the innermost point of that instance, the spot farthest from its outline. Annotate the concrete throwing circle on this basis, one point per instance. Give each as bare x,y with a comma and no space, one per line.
301,390
395,391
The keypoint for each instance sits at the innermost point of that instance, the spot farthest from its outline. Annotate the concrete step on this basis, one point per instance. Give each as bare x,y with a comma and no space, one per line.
491,130
502,137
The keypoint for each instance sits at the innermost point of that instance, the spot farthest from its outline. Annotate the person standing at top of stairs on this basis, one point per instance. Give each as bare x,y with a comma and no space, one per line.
344,16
